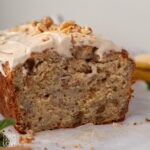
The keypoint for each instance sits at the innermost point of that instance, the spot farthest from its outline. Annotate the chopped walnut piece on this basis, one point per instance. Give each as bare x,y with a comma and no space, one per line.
86,30
66,24
25,29
67,30
71,29
27,138
77,28
34,23
47,21
41,27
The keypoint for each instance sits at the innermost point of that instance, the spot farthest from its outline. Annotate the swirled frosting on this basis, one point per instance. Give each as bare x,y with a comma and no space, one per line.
17,46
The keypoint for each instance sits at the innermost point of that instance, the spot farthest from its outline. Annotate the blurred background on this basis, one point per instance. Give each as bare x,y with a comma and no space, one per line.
126,22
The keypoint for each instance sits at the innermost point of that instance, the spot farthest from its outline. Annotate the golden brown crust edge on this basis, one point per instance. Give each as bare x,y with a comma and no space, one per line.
8,106
7,97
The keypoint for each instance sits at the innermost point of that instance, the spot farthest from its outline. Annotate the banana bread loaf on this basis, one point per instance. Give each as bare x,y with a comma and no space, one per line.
62,76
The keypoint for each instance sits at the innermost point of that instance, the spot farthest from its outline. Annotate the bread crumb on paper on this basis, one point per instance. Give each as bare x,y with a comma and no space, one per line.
134,123
114,124
27,138
91,148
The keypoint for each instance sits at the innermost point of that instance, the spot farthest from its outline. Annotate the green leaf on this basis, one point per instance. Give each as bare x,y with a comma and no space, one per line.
6,122
4,141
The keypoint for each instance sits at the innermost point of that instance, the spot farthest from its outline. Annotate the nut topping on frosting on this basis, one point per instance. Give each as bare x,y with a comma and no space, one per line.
41,27
47,24
44,34
66,24
47,21
86,30
34,23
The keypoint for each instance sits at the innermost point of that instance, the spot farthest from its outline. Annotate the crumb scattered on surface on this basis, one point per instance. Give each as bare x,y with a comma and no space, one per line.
137,123
114,124
77,146
63,147
27,138
45,148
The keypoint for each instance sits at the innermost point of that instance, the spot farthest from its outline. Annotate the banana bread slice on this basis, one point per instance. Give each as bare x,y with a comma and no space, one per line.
62,76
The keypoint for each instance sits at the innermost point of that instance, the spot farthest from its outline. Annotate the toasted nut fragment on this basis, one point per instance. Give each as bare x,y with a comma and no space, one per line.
25,29
66,24
47,21
67,29
34,23
86,30
77,28
71,29
27,138
41,27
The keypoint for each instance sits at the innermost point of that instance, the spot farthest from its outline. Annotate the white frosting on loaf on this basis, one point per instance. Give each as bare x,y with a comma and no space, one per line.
16,47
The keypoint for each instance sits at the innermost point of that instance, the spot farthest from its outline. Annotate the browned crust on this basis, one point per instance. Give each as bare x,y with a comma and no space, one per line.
7,96
9,108
8,104
124,54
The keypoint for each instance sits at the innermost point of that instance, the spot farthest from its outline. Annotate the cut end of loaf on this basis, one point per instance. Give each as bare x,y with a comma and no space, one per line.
57,92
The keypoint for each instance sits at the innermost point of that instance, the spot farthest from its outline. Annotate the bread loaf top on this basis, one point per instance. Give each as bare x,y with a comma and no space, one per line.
17,44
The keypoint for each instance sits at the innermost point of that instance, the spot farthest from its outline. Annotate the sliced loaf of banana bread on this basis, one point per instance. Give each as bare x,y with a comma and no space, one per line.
62,76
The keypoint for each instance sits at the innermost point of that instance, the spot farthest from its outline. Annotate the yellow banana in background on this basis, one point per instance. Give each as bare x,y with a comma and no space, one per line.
143,67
